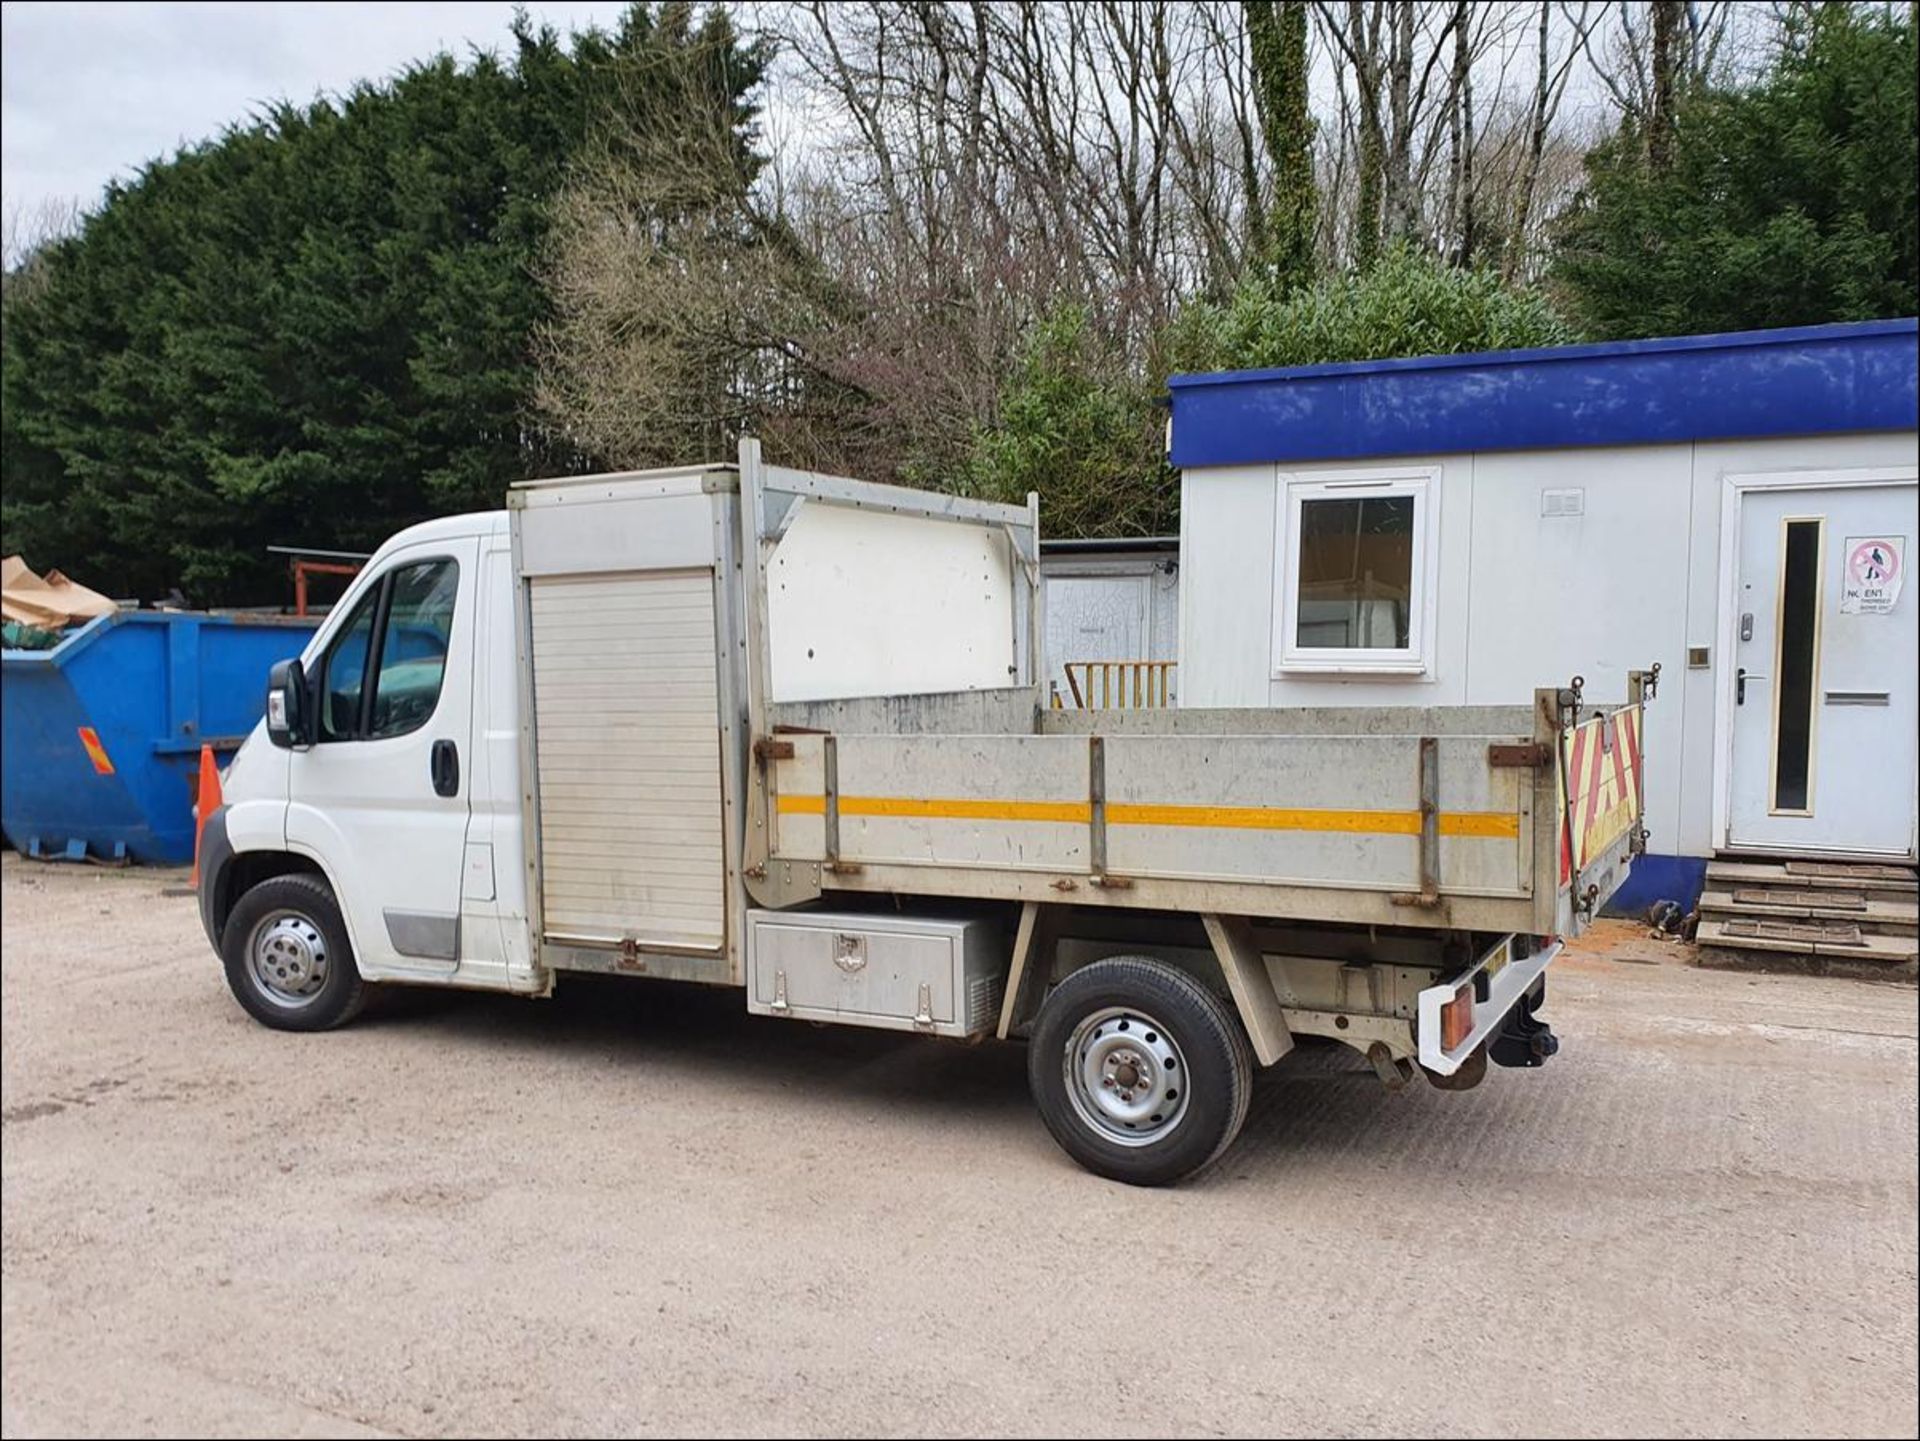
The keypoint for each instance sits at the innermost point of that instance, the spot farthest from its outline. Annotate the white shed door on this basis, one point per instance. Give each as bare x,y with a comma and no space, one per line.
1095,617
626,725
1825,705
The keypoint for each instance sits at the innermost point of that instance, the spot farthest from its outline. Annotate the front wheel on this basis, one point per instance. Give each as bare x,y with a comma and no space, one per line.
287,956
1141,1073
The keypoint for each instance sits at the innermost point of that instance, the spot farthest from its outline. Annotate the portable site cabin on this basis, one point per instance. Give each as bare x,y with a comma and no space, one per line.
1112,620
1442,531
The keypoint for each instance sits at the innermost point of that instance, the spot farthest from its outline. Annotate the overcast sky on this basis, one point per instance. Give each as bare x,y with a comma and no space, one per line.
92,91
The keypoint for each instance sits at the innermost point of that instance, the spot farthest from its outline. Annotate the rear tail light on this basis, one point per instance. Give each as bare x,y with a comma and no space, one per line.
1456,1019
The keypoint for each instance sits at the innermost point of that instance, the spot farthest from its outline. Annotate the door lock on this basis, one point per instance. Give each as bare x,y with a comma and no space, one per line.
1746,625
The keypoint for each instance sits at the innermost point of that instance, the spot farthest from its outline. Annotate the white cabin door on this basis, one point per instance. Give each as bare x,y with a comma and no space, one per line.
1095,617
383,794
1825,709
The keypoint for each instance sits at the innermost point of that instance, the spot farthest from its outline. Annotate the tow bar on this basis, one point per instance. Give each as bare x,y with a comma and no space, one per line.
1525,1040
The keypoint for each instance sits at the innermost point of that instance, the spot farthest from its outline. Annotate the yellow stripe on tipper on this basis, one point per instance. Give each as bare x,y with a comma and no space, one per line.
1486,824
941,808
97,753
1492,825
1482,825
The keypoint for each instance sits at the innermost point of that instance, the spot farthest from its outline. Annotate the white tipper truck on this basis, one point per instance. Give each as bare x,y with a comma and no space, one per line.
784,732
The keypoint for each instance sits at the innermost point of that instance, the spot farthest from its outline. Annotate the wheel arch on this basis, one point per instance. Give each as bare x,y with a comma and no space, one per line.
248,869
1059,940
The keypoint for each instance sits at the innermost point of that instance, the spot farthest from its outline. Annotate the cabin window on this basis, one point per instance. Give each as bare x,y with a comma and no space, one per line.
404,619
1355,573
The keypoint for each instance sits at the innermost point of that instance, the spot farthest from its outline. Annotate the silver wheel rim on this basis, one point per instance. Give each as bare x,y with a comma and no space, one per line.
287,959
1125,1076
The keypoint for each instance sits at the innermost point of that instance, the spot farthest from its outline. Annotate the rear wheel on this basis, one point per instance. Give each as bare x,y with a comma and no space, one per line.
287,957
1141,1073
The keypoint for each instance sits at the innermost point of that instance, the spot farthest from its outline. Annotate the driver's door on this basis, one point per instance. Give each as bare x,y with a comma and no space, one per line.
381,796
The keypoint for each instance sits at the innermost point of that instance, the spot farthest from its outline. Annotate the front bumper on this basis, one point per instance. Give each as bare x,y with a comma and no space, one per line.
1502,985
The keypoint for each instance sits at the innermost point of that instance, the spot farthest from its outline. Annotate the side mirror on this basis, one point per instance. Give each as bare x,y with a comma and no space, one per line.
287,708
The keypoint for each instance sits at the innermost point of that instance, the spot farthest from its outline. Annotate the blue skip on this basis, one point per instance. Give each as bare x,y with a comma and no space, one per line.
102,734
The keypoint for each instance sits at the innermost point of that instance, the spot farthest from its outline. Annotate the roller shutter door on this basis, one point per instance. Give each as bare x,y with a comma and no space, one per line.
626,723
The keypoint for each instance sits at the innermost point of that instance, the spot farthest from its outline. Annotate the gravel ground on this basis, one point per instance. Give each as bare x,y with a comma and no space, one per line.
633,1209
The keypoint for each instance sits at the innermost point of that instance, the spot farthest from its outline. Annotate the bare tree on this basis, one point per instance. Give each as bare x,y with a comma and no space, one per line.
1550,86
1357,36
1460,198
996,162
1701,43
949,173
25,234
683,314
1392,54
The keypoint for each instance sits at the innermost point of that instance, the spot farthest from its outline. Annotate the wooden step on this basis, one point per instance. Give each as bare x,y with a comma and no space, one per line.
1894,883
1851,871
1872,914
1836,899
1767,928
1807,939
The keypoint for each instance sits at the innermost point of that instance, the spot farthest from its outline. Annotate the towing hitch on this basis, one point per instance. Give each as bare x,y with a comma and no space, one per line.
1525,1040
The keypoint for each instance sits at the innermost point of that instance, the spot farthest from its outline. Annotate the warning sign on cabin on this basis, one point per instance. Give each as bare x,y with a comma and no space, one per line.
1876,565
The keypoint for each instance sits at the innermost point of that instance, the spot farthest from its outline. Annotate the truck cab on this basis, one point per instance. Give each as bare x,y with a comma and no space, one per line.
405,802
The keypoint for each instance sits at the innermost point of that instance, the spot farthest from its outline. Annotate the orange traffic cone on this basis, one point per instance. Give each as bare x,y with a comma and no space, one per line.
206,802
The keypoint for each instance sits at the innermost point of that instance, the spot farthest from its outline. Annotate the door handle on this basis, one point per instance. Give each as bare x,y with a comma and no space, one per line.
1740,686
445,769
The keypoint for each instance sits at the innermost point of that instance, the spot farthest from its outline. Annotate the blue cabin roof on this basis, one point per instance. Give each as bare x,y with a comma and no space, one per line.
1808,380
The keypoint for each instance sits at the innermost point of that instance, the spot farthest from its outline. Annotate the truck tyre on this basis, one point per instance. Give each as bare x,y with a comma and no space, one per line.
287,957
1141,1073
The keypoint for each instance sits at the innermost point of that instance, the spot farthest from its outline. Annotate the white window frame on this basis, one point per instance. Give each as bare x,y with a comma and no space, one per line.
1417,481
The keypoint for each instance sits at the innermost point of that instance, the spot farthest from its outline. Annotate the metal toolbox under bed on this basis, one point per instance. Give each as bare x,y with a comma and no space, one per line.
940,977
